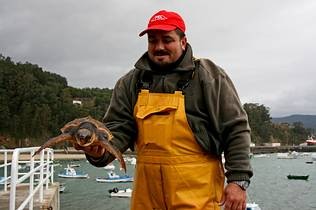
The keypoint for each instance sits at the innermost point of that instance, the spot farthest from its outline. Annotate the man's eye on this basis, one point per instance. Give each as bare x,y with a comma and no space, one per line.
152,41
167,40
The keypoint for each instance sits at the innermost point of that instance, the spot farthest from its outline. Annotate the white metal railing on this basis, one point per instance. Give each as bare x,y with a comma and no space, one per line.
24,170
5,179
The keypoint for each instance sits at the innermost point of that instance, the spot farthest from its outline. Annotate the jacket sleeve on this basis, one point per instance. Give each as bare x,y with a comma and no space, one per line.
120,121
231,123
235,132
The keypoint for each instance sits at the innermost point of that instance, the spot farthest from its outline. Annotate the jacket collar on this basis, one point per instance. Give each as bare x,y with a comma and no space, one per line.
186,64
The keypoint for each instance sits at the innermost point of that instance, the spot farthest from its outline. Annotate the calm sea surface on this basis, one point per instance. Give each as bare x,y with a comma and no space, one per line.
269,188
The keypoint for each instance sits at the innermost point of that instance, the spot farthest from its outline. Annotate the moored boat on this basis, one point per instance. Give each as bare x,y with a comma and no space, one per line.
62,187
74,165
301,177
121,193
70,172
252,206
130,160
289,155
110,166
310,140
113,177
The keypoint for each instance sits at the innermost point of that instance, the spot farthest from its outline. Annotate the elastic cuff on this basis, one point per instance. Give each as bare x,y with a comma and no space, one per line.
238,177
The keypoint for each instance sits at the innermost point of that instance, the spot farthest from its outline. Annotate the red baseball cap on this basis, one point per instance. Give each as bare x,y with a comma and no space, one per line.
166,21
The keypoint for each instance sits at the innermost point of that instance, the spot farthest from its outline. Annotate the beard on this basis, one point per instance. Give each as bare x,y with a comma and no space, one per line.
161,53
161,62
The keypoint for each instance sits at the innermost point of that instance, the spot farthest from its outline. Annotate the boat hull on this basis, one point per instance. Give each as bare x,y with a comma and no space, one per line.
83,176
298,177
113,180
121,193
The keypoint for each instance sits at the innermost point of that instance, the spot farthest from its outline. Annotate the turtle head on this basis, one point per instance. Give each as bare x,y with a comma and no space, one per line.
86,134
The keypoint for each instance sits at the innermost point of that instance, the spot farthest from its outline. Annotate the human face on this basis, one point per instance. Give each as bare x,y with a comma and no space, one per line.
165,47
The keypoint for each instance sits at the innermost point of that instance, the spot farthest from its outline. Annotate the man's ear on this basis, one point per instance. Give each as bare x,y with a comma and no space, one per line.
184,43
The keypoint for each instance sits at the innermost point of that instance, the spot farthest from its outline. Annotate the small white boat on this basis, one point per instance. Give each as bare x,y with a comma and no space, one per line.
252,206
110,166
130,160
74,165
70,172
133,161
113,177
260,155
62,187
121,193
289,155
310,140
56,164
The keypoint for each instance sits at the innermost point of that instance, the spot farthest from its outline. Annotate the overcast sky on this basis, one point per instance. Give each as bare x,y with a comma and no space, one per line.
268,48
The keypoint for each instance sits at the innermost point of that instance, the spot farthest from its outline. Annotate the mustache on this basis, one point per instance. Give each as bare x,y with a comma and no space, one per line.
160,52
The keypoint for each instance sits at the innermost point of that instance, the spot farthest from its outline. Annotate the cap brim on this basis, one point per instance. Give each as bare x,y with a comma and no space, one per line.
158,27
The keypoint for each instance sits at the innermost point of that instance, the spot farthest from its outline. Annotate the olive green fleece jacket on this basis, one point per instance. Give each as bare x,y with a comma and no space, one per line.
212,106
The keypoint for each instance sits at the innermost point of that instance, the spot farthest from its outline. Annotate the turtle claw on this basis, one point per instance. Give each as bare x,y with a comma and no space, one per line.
53,141
111,149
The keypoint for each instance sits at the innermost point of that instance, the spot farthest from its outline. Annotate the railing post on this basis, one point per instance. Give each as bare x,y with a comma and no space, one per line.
52,166
47,169
6,170
14,178
31,187
41,194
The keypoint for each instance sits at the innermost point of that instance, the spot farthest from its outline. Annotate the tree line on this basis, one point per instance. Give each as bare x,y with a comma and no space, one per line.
264,131
35,104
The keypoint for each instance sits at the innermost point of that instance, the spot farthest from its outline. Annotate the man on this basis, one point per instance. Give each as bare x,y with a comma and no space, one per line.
181,114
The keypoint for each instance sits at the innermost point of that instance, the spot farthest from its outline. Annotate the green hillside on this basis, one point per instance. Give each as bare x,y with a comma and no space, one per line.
35,104
309,121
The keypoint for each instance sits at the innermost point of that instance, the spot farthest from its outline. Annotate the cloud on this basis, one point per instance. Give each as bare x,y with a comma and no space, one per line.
267,47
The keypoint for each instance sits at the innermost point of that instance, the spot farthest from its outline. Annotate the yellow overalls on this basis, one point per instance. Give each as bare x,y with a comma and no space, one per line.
172,170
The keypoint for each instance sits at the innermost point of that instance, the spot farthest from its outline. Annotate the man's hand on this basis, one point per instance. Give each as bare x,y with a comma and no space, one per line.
93,151
234,198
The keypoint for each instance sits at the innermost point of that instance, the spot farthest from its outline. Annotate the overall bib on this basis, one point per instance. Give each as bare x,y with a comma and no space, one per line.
172,170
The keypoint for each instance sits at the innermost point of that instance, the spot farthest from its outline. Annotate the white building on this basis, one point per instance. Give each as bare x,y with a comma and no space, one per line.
76,102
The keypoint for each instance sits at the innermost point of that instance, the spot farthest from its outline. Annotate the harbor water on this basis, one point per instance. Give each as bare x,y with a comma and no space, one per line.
269,188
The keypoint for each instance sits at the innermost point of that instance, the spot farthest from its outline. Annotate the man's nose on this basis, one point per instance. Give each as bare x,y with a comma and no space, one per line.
159,45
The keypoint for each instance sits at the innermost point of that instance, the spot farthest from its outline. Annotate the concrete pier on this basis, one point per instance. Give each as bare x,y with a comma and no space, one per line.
51,199
267,149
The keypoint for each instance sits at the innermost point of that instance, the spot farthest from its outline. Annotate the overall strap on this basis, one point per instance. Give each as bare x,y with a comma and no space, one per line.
146,79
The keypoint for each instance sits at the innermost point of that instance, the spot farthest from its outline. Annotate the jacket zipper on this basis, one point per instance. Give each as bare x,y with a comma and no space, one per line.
163,83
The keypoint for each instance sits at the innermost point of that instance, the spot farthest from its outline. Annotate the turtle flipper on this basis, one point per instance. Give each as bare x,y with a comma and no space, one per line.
111,149
53,141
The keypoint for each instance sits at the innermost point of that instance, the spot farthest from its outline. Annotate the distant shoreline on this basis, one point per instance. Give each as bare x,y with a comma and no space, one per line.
73,154
280,149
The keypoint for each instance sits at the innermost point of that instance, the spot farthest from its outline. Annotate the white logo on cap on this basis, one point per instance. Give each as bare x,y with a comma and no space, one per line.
158,17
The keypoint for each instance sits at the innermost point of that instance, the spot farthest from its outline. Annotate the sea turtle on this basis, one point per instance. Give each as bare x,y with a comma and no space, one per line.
86,132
